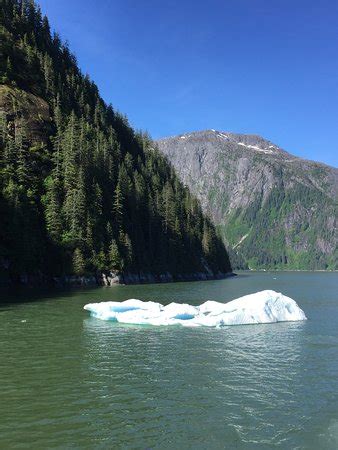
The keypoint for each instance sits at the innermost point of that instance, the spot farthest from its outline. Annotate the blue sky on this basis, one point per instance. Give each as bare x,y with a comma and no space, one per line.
248,66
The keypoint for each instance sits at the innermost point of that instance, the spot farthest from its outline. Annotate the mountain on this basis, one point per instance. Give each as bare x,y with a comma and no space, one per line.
81,192
274,210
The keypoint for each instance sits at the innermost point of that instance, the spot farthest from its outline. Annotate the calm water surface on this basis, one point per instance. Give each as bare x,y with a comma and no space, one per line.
71,381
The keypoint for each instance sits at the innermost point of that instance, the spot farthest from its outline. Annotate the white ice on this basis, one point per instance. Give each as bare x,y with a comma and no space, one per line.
262,307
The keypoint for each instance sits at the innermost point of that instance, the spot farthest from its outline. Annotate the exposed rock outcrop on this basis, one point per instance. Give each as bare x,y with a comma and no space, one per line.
25,114
273,209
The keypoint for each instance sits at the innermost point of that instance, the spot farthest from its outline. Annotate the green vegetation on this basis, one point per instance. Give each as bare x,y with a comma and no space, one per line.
80,191
278,237
273,210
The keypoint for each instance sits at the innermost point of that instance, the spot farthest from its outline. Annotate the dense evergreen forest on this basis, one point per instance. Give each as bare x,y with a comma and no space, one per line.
80,191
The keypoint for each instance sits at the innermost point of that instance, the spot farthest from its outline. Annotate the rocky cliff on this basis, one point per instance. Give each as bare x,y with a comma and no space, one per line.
273,209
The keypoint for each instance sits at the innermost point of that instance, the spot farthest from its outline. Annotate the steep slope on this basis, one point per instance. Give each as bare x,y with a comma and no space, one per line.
80,191
273,209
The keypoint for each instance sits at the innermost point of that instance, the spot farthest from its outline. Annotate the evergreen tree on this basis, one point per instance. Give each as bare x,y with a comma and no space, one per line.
118,206
83,191
114,256
78,262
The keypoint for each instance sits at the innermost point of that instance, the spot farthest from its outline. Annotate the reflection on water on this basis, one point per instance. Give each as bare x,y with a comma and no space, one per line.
71,381
235,385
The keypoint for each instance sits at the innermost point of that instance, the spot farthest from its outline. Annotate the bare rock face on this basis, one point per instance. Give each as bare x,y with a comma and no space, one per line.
25,113
273,209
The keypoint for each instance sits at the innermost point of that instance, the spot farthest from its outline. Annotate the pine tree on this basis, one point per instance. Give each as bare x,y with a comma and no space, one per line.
87,191
118,207
53,209
114,256
49,75
128,249
78,262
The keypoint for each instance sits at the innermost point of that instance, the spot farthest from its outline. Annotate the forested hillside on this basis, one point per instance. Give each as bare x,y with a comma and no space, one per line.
80,191
274,210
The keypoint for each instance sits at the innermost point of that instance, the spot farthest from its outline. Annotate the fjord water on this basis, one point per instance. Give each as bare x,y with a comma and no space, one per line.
72,381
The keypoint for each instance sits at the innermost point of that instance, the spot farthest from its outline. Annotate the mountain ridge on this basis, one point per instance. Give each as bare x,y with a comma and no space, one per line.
246,182
248,136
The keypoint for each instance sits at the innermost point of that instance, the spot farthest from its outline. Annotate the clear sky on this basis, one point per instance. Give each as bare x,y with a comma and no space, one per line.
267,67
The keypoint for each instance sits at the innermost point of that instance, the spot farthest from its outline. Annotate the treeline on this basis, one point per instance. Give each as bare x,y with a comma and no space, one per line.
93,195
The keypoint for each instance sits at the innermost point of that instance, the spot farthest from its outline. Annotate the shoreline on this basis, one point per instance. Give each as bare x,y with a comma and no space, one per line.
288,270
110,279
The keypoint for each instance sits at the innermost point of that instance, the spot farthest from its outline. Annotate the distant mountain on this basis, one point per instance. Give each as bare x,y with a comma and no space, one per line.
81,193
274,210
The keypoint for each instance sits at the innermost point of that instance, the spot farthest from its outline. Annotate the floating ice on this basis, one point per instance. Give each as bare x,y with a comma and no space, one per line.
262,307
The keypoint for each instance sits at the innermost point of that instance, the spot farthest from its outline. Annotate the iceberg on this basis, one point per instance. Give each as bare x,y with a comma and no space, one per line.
261,307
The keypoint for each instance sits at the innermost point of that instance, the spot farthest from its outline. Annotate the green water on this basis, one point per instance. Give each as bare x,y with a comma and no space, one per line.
71,381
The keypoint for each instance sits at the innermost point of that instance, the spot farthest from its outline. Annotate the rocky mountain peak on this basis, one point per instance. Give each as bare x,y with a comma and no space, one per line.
273,209
226,139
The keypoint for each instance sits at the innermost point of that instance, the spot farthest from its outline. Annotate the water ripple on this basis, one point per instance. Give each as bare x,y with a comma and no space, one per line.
69,381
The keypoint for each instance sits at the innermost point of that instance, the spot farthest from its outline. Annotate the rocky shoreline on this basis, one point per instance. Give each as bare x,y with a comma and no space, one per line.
111,279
